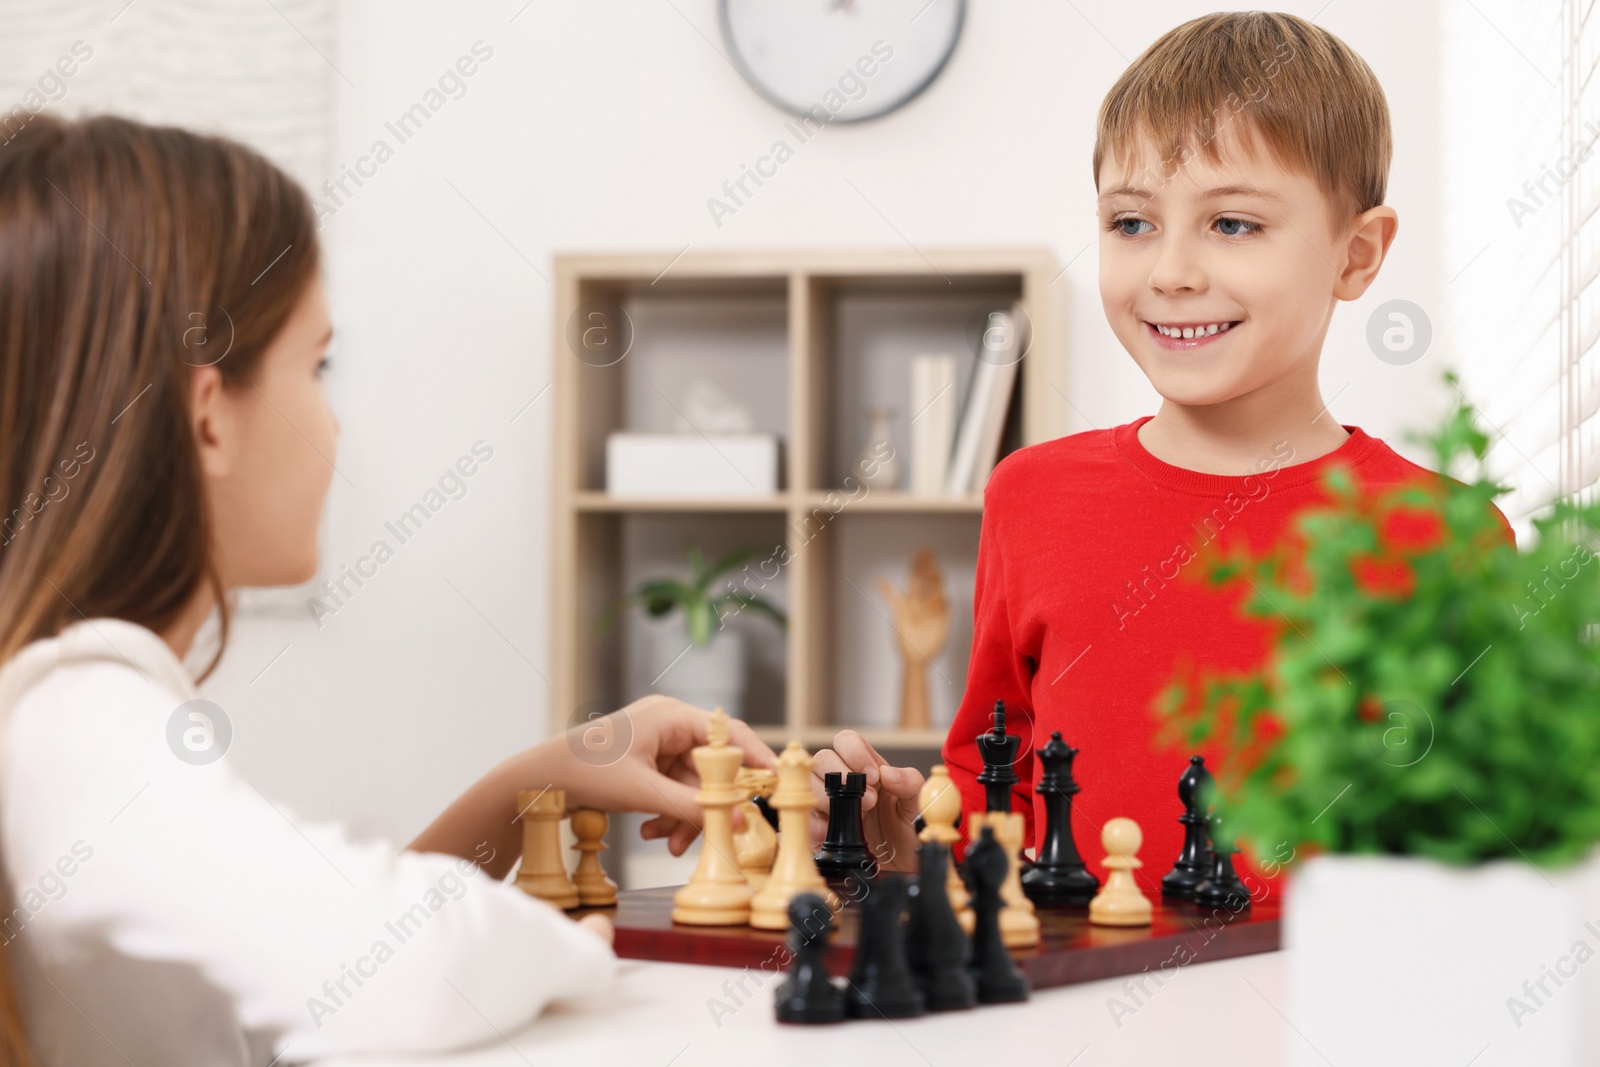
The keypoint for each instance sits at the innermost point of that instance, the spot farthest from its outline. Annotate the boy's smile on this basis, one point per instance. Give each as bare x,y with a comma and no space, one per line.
1187,335
1220,279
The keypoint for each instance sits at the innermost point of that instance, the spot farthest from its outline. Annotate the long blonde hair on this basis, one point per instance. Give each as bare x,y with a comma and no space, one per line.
129,255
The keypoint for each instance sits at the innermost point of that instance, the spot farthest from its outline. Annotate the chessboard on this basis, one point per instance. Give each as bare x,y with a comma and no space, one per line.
1070,949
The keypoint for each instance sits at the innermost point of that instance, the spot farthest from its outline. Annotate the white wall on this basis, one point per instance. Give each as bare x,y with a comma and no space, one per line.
605,125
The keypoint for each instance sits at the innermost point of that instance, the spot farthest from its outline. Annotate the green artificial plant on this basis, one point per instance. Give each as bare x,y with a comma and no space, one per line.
1431,691
703,604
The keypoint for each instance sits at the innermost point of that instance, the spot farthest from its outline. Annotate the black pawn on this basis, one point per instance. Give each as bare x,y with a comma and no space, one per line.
881,983
936,945
1195,861
1059,876
806,995
1222,887
999,752
997,978
844,849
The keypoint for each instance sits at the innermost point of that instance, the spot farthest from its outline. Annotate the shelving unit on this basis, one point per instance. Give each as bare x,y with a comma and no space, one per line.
801,337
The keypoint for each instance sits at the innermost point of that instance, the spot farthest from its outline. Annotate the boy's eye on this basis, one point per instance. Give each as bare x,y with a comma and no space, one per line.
1231,227
1121,226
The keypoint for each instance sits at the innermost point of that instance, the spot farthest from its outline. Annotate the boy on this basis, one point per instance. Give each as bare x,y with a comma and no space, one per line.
1241,164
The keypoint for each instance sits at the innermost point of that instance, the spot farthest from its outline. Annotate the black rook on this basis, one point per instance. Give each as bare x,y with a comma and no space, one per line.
844,849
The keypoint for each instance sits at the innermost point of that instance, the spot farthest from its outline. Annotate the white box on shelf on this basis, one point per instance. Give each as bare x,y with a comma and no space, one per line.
675,465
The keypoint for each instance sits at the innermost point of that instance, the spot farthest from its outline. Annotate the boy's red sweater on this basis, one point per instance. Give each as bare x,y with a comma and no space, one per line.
1084,606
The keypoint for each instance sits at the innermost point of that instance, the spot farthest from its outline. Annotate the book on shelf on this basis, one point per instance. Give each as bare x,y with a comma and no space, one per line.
983,417
933,421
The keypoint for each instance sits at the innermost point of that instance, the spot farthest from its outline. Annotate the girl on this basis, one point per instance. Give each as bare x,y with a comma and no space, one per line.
162,327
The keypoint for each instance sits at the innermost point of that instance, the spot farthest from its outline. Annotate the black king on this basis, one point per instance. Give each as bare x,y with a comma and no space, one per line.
999,752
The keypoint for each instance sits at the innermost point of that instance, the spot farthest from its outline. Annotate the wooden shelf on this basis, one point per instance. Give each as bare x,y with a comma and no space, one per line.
882,502
825,317
815,737
890,502
594,501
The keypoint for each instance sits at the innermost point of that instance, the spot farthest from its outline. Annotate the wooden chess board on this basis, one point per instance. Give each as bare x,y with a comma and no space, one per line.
1071,950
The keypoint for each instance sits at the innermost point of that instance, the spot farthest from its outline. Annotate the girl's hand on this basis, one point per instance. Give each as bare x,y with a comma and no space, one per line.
634,759
889,809
637,759
600,926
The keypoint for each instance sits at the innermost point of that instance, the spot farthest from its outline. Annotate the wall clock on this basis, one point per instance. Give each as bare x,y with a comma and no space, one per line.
855,59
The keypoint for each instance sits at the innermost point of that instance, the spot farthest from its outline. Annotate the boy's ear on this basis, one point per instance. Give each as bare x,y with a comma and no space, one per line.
1368,240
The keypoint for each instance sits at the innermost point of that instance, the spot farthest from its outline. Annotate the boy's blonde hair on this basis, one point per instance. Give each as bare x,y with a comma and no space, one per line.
1306,95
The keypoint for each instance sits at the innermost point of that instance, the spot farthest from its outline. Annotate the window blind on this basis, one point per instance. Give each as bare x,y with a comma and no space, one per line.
1520,122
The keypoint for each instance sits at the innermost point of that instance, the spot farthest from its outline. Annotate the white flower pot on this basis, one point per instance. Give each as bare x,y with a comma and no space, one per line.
1407,962
709,677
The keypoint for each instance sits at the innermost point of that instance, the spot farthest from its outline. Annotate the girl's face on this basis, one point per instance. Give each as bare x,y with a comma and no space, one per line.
267,454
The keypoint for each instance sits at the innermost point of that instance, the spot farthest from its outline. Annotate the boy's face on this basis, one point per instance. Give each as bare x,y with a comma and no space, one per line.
1239,255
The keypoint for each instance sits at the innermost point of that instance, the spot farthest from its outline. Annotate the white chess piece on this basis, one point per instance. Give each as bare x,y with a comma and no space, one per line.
1019,925
1120,902
718,894
543,873
795,870
755,845
940,802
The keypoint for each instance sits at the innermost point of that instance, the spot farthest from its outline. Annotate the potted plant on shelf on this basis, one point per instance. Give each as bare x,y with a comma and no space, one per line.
1422,748
704,664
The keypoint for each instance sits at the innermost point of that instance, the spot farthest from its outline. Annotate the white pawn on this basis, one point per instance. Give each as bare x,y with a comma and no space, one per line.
595,887
1120,902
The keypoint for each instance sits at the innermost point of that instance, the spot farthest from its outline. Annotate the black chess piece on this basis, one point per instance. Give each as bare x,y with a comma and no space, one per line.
844,849
881,982
1222,887
767,811
997,978
806,995
1195,861
999,752
936,946
1059,876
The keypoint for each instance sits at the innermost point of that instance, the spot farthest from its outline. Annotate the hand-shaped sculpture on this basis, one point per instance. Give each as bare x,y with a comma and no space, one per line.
921,626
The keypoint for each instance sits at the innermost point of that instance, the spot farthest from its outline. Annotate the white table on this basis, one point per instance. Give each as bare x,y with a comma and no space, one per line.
660,1014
